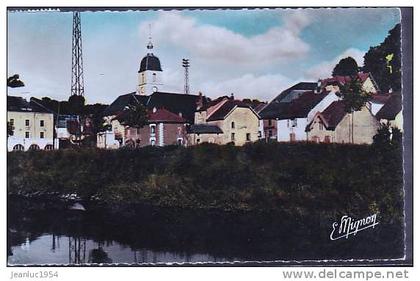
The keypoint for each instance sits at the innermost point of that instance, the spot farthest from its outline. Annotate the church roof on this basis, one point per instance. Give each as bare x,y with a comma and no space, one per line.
150,62
173,102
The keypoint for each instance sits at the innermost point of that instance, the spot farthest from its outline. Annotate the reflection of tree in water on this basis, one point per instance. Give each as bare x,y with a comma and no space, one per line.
99,255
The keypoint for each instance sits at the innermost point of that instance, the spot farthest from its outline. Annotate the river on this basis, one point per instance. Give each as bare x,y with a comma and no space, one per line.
46,232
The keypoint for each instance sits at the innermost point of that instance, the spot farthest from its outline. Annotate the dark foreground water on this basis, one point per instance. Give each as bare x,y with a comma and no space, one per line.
47,232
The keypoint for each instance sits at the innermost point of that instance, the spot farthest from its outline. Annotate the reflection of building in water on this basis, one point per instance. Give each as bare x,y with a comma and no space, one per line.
77,250
55,243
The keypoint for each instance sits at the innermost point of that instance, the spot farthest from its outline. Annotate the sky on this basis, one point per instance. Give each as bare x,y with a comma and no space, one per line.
251,53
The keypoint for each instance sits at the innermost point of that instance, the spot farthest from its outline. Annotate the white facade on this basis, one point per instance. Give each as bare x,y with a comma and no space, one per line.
294,129
107,140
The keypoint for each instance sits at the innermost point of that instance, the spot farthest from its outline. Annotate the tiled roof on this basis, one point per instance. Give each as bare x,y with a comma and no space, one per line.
275,108
300,107
20,104
380,98
223,111
391,108
173,102
163,115
344,79
204,129
333,114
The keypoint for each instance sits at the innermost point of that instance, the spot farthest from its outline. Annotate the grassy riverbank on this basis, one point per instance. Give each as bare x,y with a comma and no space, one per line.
300,179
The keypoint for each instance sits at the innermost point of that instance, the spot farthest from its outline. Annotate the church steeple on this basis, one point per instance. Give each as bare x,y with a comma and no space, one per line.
149,74
150,44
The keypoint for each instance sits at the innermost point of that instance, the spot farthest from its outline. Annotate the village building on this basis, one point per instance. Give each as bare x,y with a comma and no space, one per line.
391,112
32,125
223,121
333,83
293,116
334,124
270,113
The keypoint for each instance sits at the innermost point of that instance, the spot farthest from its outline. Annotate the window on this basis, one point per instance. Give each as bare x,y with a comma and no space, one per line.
248,137
232,137
179,141
34,147
152,129
154,77
41,123
26,135
294,122
259,134
270,133
315,139
327,139
27,122
12,122
270,122
49,147
198,140
18,147
41,135
152,142
321,126
233,125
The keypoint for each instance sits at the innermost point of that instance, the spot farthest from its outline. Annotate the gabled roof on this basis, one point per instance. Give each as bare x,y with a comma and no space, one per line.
226,108
163,115
204,129
281,102
20,104
380,98
333,114
300,107
173,102
392,107
362,76
118,105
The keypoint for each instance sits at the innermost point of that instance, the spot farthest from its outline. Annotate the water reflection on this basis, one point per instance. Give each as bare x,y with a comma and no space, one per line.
42,232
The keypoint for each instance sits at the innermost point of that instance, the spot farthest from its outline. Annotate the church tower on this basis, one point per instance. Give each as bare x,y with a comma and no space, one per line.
150,72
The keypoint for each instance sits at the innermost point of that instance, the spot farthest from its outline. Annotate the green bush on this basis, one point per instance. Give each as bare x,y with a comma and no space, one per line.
297,178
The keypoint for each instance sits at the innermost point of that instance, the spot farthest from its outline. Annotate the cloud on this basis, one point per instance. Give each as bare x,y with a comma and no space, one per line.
325,68
263,87
217,44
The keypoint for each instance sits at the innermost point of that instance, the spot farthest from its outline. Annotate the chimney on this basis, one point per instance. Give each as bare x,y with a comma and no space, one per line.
199,101
232,97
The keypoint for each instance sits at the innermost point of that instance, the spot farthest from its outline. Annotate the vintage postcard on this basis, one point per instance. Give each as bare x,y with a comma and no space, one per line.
228,137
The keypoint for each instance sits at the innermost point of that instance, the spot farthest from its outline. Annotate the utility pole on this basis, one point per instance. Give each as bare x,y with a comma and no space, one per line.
186,65
77,83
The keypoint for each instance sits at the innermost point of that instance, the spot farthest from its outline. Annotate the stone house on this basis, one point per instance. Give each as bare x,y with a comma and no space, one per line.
223,121
391,112
32,125
335,125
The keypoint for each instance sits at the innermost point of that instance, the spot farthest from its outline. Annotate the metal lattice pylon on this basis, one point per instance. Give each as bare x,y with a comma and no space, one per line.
186,66
77,83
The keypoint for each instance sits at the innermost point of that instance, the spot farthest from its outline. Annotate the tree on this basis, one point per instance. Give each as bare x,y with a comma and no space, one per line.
346,67
384,61
76,104
134,116
388,135
354,98
14,81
